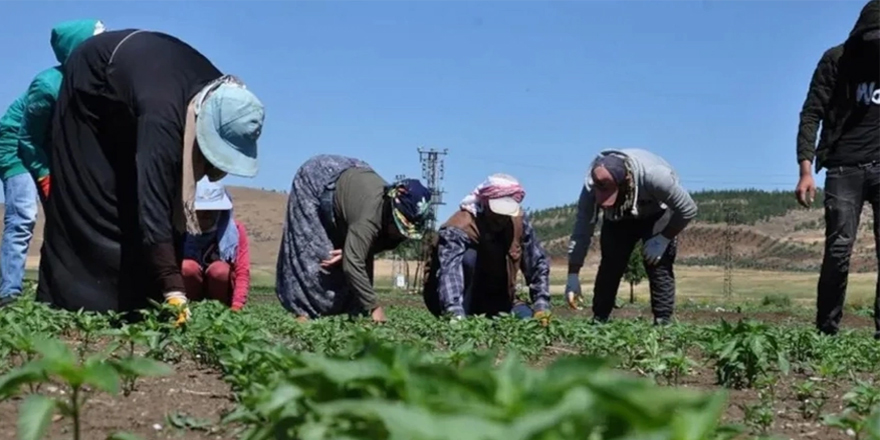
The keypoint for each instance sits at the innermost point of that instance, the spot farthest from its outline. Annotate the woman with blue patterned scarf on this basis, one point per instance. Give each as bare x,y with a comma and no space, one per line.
340,214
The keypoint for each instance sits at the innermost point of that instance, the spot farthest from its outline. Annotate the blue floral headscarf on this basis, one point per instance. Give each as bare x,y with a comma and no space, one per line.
410,205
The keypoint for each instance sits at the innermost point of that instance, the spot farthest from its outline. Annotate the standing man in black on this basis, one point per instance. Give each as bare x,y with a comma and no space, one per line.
844,95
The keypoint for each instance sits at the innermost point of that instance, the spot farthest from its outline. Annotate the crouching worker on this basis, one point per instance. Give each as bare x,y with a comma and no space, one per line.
474,261
217,262
340,214
141,116
640,198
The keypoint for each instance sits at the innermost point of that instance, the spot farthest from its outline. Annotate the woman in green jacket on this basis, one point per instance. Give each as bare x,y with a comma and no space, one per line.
23,156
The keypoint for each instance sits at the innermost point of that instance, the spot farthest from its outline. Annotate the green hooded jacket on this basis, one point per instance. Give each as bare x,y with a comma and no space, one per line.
24,127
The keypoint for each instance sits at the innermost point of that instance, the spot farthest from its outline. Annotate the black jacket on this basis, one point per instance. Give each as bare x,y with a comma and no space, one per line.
827,98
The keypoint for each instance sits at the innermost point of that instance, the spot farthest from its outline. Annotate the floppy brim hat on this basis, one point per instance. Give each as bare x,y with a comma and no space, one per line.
229,122
211,196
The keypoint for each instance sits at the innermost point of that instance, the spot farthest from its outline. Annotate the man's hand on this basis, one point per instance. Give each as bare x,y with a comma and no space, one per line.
378,315
335,258
302,319
573,295
44,183
655,247
178,301
805,190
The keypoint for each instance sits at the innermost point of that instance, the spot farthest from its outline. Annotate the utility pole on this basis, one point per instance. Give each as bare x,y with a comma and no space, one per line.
730,219
433,171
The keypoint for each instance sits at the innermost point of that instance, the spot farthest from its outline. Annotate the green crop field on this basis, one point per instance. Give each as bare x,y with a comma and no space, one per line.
753,370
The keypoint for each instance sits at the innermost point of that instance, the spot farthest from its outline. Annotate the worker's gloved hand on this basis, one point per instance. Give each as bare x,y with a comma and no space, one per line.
655,247
455,319
573,295
178,300
44,183
543,316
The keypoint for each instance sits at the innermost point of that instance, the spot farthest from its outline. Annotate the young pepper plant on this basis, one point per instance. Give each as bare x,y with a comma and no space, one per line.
57,361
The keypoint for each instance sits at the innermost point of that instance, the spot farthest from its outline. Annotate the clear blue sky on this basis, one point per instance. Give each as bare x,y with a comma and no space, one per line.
531,88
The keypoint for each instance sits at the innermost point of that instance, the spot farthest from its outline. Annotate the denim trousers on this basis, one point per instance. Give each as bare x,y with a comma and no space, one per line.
19,218
846,191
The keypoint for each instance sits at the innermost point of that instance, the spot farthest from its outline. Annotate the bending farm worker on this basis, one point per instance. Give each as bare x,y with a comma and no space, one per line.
844,94
216,263
141,117
640,198
23,131
478,251
340,214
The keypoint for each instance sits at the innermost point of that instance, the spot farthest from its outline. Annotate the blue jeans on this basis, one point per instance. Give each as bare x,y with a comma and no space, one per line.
20,193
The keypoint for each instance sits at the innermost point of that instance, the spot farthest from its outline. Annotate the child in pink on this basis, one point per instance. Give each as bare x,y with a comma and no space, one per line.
216,263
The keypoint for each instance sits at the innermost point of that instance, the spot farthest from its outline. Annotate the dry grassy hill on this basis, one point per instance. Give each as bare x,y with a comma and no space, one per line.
770,232
773,233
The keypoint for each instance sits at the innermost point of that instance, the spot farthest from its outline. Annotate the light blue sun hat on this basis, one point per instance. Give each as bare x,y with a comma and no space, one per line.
230,120
211,196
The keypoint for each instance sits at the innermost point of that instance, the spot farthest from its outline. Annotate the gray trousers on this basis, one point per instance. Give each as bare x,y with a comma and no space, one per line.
617,242
846,191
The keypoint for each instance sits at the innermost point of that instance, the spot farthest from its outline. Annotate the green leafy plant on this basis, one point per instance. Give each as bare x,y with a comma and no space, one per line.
811,399
861,413
745,351
56,361
389,392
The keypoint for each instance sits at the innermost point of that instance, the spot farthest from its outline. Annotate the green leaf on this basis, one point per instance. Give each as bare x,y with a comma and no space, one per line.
412,423
54,351
699,423
102,376
124,436
36,414
140,366
10,382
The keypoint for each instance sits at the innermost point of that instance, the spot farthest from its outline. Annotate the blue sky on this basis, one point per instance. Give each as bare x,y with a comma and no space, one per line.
530,88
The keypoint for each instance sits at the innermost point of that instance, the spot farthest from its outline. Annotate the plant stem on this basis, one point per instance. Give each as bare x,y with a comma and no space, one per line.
74,401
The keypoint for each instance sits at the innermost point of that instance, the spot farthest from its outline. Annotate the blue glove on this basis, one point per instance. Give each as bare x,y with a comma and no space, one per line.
573,295
522,311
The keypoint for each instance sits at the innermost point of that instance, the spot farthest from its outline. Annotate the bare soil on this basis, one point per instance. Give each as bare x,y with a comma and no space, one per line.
195,394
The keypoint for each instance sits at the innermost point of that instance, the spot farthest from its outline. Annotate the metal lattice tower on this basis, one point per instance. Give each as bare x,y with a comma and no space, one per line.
433,171
730,219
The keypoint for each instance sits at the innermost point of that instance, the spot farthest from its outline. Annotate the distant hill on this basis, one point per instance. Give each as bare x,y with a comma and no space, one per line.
772,231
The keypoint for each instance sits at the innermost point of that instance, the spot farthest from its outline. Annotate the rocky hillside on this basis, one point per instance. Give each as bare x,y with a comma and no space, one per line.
771,231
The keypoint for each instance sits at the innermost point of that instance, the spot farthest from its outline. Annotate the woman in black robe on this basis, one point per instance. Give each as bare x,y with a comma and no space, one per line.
141,116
